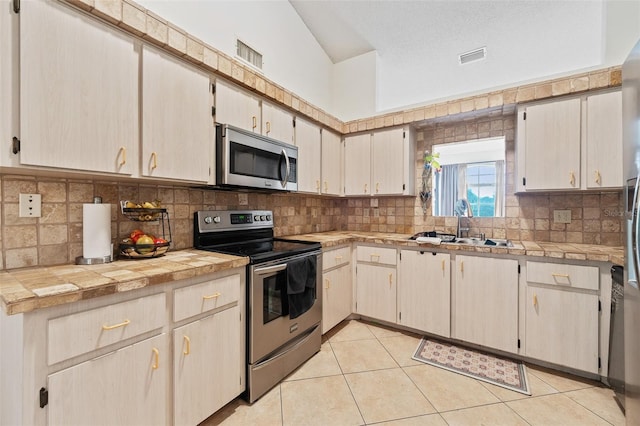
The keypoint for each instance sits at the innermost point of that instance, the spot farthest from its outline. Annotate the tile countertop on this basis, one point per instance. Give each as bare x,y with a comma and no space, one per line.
27,289
528,248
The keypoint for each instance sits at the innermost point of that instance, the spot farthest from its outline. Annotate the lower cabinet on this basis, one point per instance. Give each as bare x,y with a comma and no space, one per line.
127,386
561,315
424,291
376,282
206,372
485,302
337,290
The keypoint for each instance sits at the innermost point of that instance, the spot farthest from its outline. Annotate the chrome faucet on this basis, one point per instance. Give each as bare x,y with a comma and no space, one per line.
463,209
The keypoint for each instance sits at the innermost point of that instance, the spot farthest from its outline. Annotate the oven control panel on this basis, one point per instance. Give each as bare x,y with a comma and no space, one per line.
227,220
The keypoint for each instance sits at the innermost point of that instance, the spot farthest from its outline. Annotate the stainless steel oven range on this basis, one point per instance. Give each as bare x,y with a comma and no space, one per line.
284,292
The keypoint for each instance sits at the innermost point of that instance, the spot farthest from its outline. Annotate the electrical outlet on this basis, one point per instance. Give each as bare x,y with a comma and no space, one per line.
30,205
562,216
243,199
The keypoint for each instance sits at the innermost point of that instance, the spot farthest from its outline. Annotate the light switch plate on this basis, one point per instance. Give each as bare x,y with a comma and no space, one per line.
30,205
562,216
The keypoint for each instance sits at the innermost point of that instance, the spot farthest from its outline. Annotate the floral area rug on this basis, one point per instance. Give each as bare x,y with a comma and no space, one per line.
492,369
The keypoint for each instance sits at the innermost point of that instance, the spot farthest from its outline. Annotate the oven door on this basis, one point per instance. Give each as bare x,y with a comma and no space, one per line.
249,160
270,323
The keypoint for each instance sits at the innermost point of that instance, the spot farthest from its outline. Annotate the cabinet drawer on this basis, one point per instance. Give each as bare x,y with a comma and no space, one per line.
83,332
377,255
336,257
207,296
573,276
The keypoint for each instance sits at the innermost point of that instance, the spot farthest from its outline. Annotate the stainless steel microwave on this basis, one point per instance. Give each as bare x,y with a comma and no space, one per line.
248,160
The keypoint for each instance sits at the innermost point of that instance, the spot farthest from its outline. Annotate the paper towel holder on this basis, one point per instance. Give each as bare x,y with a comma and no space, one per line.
80,260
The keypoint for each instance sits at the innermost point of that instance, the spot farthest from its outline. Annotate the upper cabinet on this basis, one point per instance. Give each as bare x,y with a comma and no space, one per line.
332,161
277,123
309,147
78,91
237,107
570,144
177,126
380,163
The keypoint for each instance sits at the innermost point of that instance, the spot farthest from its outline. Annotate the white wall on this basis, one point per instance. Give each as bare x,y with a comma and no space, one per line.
292,57
353,89
622,30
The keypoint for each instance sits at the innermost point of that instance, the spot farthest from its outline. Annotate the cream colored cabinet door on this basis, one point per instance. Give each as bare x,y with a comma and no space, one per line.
551,145
125,387
604,141
332,163
309,151
357,165
387,159
336,296
177,126
205,366
236,107
78,91
277,123
424,291
485,302
376,291
562,327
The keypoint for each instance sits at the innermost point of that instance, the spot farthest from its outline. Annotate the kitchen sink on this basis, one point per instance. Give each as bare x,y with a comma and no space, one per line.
494,242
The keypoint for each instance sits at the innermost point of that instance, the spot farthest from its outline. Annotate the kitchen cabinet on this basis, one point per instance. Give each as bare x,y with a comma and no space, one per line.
277,123
237,107
424,291
376,282
604,140
208,353
127,386
337,291
485,302
380,163
177,126
332,163
308,141
78,91
561,315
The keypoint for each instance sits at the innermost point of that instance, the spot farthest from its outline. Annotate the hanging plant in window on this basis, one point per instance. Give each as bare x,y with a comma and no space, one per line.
431,163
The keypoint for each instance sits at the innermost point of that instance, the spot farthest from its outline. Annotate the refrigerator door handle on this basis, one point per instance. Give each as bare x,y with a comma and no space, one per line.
635,234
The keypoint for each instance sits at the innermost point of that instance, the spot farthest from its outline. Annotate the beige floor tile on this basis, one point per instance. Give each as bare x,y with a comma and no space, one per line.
352,330
402,348
266,411
428,420
561,381
321,401
600,401
322,364
555,409
380,330
447,390
387,395
494,414
536,386
362,355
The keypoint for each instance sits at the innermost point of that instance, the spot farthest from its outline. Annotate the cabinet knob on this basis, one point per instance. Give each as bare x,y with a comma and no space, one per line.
187,342
156,358
123,154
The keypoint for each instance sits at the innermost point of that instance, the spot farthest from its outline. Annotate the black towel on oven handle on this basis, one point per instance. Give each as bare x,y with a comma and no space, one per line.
301,285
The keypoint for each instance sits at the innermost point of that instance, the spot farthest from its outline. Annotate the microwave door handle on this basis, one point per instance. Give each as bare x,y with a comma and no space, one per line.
286,160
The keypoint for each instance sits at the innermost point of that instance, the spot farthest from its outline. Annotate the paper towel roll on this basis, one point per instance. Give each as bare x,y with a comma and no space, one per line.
96,230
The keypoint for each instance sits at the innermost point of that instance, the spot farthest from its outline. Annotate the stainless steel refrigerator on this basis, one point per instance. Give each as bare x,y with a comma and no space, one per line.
631,167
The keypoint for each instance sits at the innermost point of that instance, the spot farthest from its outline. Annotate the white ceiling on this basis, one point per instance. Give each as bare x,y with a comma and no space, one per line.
418,42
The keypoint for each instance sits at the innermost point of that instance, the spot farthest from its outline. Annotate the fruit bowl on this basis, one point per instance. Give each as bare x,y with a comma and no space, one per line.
140,213
141,251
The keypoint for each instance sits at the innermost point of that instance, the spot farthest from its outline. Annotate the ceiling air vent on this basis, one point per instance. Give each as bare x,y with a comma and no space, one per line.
248,54
472,55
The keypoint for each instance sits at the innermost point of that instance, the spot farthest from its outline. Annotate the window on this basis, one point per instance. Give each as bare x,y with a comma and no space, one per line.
481,188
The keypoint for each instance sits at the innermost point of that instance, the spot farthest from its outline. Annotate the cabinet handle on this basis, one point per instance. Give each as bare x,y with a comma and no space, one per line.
443,266
328,283
156,356
390,280
123,154
376,256
187,350
338,258
572,178
111,327
255,122
326,186
154,158
377,187
365,188
318,185
268,127
554,275
535,300
598,177
213,296
462,266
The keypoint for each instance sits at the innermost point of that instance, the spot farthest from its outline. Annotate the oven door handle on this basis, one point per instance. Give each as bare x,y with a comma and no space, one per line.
270,269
